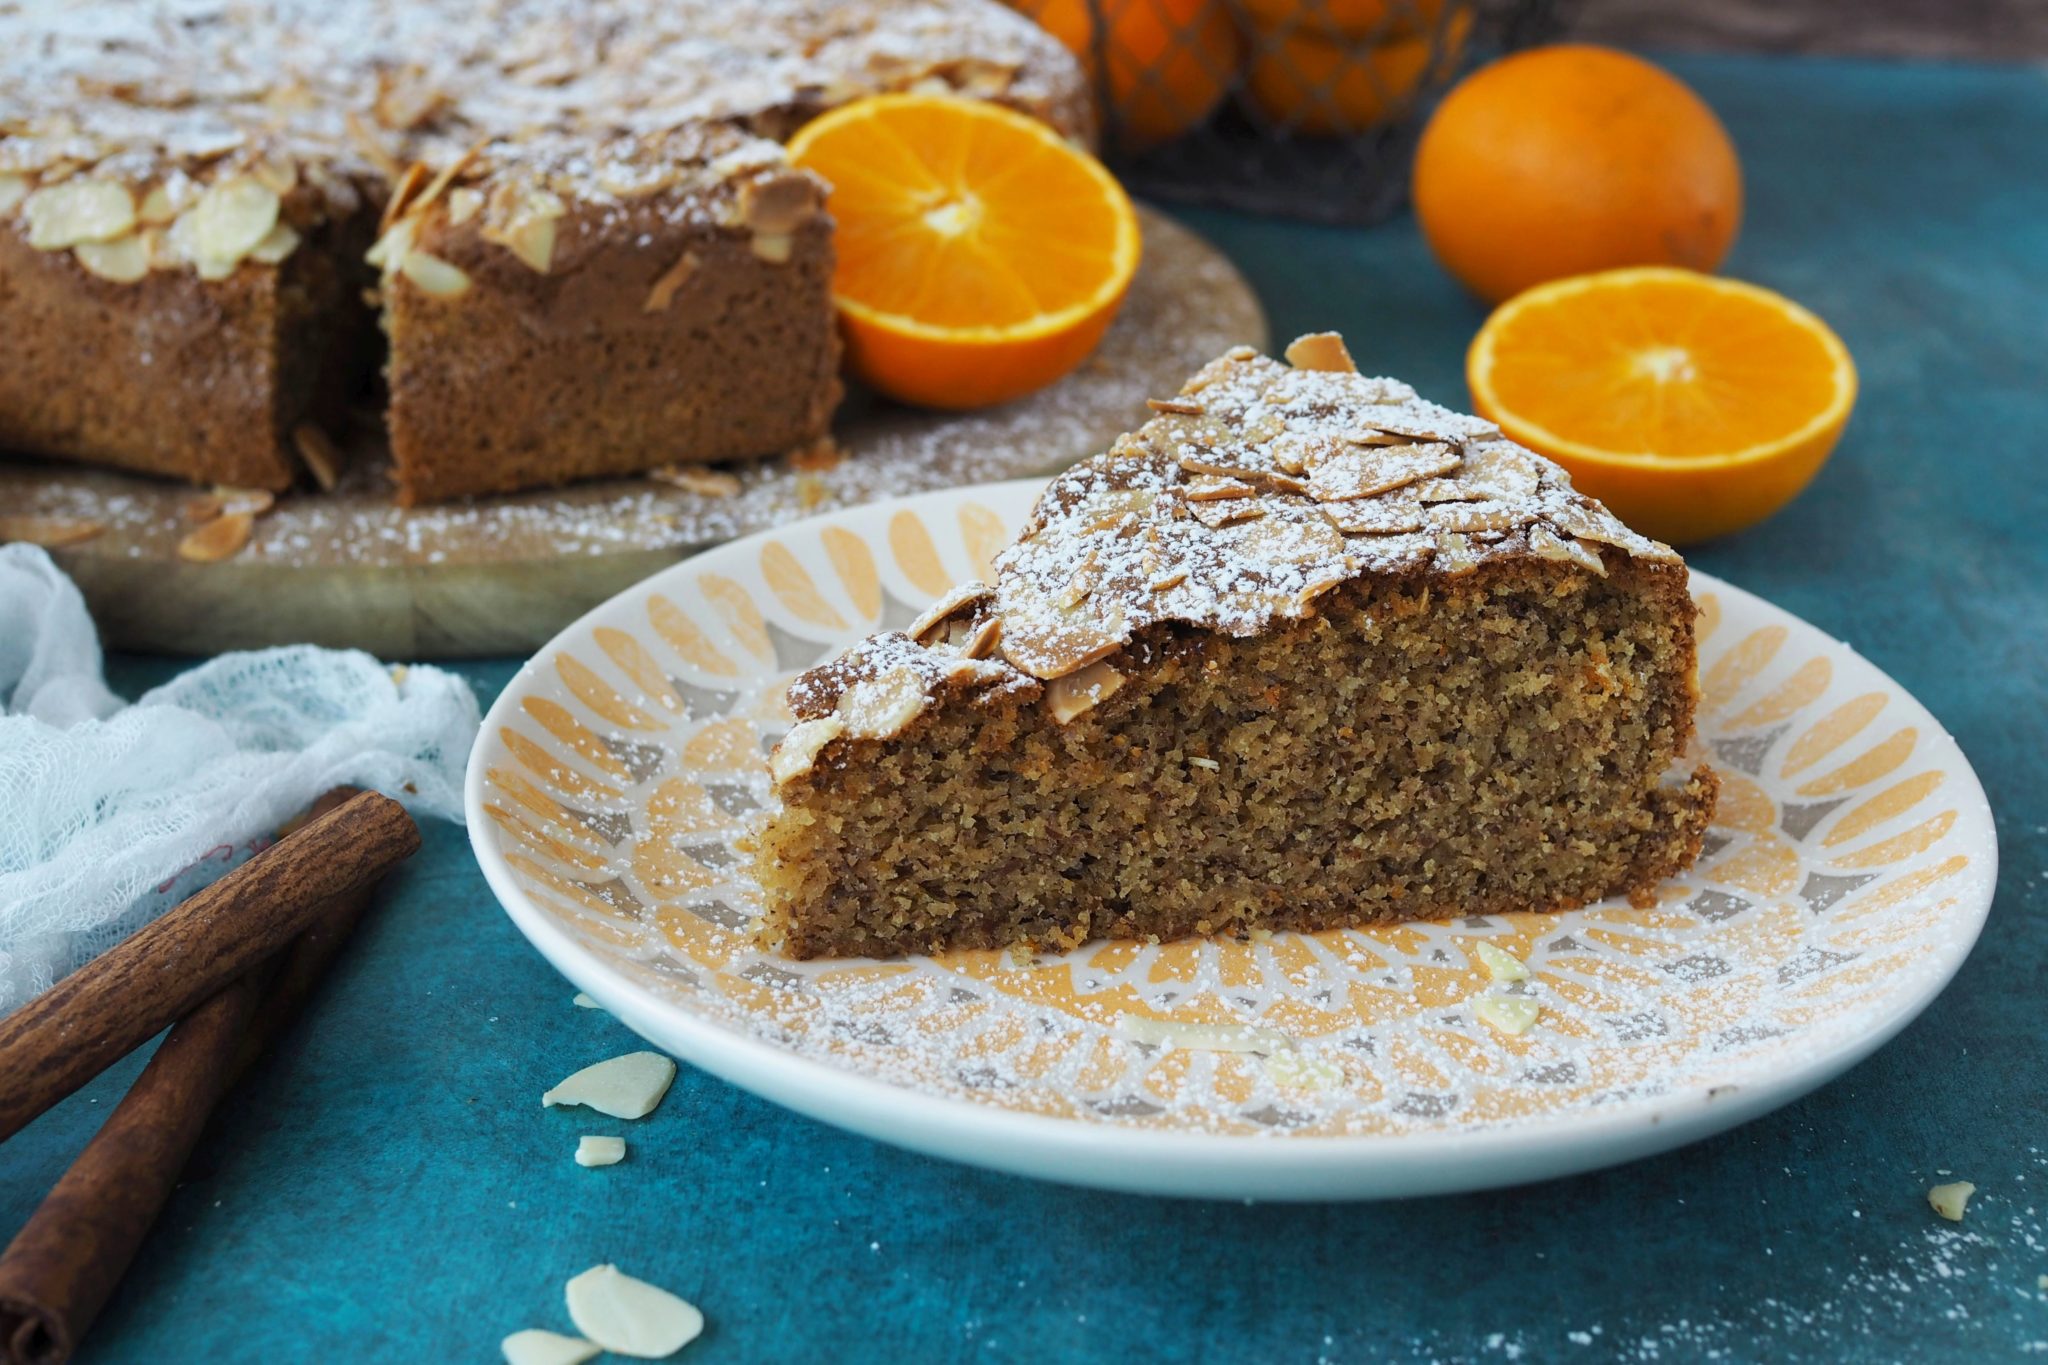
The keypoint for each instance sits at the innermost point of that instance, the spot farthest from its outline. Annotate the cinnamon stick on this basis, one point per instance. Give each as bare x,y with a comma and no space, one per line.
69,1034
66,1261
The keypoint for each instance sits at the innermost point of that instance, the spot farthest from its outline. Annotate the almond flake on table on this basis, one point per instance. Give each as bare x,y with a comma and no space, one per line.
584,1002
629,1316
1952,1199
627,1087
535,1346
592,1150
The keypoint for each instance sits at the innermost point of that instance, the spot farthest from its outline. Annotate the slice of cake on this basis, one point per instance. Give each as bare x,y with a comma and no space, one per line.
1303,651
560,309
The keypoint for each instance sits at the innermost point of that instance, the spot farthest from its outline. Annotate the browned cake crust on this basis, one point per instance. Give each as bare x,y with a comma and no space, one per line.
1153,727
185,194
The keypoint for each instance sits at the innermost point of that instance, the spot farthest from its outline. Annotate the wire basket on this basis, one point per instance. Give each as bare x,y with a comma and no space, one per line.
1301,108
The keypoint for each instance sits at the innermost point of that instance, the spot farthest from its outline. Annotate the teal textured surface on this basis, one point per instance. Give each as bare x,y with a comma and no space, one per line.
386,1186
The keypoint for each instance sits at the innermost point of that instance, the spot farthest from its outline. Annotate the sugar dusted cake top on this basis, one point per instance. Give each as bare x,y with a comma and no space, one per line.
301,106
1257,489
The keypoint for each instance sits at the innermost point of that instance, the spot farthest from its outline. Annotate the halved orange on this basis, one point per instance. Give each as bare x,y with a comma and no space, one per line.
1692,406
981,256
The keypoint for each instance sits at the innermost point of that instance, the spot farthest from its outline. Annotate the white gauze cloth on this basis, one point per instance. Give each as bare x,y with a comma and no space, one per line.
109,813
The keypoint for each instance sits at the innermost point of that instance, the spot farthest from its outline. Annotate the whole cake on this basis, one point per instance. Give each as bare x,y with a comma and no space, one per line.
1301,652
571,217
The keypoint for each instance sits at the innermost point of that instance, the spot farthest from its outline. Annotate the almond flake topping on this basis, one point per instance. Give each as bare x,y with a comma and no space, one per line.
1365,473
1229,520
1321,351
1182,406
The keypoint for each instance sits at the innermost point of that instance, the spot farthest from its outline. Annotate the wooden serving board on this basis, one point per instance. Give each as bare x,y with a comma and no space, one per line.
503,575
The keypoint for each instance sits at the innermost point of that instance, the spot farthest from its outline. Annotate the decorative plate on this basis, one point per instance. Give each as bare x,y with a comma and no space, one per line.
1849,870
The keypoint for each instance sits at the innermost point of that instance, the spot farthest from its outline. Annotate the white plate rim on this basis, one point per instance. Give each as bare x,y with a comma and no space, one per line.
1201,1165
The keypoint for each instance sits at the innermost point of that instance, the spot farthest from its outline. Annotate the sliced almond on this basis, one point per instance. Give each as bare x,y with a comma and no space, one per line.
778,205
880,707
1263,478
1180,406
1213,489
201,507
254,501
799,748
1216,515
961,595
1500,964
536,1346
391,248
1320,351
1365,472
695,478
1373,517
48,532
225,224
593,1150
672,279
1513,1015
123,260
532,240
629,1316
1080,692
277,244
404,192
983,640
464,204
773,247
1548,544
157,207
221,538
79,210
13,189
275,172
1474,517
1952,1199
433,275
627,1087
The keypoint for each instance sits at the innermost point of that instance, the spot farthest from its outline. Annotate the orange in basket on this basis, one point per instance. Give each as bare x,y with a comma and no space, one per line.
1322,85
1359,19
1169,61
1692,406
981,256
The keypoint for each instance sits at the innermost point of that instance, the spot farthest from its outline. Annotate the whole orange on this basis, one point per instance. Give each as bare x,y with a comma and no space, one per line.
1170,61
1569,159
